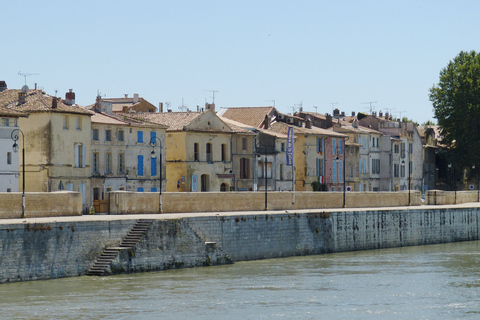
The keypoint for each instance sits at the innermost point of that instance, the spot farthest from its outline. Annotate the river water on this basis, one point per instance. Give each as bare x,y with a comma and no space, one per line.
425,282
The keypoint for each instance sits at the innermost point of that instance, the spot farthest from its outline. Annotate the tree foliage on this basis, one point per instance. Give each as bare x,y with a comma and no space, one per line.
456,103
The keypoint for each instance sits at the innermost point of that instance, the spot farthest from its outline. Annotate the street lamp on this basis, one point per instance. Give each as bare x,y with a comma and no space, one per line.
403,164
338,151
15,138
478,182
265,172
153,143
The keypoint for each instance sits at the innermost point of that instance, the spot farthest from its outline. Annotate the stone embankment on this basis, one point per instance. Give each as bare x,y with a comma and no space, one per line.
47,248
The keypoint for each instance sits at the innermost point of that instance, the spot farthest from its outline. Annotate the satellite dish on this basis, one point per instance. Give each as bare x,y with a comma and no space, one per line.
25,89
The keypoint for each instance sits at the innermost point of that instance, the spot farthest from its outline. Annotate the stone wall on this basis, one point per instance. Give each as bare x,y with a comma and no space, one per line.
123,202
40,204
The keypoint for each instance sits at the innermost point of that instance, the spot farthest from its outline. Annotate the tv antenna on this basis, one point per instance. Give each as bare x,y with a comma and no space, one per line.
213,95
297,106
27,74
371,107
401,114
333,105
271,101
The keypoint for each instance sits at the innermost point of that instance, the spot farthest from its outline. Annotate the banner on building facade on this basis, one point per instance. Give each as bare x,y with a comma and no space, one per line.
290,147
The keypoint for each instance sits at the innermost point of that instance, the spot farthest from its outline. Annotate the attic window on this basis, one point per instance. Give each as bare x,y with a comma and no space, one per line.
209,123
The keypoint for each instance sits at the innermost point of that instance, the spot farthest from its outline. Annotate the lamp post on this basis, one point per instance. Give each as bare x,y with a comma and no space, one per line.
478,182
153,143
265,172
403,164
339,150
15,138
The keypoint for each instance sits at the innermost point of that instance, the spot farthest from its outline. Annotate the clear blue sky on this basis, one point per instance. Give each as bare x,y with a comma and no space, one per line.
318,53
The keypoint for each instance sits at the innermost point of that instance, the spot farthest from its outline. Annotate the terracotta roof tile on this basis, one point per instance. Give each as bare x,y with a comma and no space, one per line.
282,127
37,101
175,121
253,116
237,126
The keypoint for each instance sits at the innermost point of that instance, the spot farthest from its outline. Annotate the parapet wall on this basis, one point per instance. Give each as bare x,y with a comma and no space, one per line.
124,202
40,204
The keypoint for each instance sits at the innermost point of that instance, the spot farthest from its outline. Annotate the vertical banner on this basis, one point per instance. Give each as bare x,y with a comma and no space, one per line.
290,147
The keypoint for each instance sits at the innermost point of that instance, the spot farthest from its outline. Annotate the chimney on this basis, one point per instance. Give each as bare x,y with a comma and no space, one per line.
98,104
126,95
135,97
3,86
343,113
210,106
355,124
386,115
328,121
70,98
54,103
336,112
353,113
21,97
308,123
380,114
35,86
160,107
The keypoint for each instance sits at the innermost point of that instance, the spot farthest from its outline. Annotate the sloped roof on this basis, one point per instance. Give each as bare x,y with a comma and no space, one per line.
4,112
103,118
282,127
237,126
315,114
253,116
37,101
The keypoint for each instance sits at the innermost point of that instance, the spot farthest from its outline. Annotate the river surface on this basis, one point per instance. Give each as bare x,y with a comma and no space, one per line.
425,282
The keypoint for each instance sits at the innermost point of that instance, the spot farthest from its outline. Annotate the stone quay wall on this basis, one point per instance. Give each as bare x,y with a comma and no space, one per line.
68,249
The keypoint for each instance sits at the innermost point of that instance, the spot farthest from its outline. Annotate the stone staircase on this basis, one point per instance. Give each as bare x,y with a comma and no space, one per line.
136,234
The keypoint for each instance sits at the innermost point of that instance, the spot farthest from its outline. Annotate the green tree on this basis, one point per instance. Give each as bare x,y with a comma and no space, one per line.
456,104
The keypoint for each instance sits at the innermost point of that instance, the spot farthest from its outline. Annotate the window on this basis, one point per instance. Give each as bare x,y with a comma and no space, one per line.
95,134
121,163
79,155
153,137
395,170
410,148
334,171
108,163
281,171
95,162
244,168
153,189
224,152
360,166
208,148
365,166
9,122
96,193
140,189
364,144
410,167
340,171
120,135
319,167
78,123
65,122
108,135
282,147
244,143
153,167
140,165
396,148
140,136
319,145
195,152
9,158
261,170
402,149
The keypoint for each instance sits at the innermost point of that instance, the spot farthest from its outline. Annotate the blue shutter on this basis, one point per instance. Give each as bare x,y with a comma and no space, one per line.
140,165
153,189
360,166
334,145
340,145
140,136
334,171
140,189
318,167
153,167
340,172
153,136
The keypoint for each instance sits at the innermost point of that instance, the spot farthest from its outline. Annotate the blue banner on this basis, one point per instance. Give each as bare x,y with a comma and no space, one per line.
290,147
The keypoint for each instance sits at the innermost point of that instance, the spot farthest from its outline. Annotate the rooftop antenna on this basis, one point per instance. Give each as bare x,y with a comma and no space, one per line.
401,114
272,101
213,95
371,107
27,74
297,106
183,107
333,105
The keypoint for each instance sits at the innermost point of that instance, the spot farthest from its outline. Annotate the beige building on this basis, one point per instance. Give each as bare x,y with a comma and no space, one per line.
57,142
198,150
